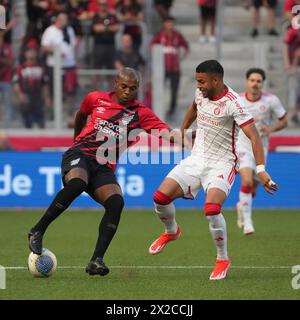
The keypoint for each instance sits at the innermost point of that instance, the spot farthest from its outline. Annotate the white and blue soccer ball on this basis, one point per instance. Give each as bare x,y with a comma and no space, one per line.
43,265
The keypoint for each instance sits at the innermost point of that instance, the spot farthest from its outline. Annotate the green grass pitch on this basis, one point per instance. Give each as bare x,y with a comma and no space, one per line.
261,264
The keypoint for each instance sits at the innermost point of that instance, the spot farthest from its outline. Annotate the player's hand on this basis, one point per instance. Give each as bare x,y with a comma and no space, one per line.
265,130
269,185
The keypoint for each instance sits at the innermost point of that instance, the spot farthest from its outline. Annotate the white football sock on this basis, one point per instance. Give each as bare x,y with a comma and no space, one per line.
166,214
217,227
246,205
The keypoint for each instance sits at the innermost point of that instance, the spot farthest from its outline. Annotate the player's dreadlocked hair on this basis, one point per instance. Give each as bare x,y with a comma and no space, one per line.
210,66
256,70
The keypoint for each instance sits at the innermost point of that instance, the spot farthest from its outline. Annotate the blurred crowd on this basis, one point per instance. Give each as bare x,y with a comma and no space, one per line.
108,35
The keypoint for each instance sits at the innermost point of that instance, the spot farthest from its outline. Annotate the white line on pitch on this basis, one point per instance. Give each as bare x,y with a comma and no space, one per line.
163,267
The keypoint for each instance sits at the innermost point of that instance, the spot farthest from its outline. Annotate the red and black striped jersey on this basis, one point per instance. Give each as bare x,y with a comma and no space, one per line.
112,127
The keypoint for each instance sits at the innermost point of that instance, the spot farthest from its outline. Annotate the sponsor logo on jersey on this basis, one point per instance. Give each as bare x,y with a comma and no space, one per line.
103,102
211,121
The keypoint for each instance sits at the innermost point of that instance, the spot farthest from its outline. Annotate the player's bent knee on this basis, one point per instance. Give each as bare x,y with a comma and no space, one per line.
246,188
114,203
161,198
212,209
77,185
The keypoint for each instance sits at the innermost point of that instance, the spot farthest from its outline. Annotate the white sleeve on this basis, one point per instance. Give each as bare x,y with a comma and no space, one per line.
46,39
240,113
277,107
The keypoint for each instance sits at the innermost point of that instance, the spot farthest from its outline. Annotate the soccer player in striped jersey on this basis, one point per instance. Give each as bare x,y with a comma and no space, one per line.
264,107
89,164
212,165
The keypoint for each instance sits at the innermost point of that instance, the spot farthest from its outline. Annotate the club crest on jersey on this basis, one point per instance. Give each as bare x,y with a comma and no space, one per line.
217,111
127,120
100,109
262,107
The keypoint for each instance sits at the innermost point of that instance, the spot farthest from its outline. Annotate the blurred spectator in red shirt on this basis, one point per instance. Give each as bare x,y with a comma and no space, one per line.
288,7
6,70
95,6
31,86
130,14
172,41
291,54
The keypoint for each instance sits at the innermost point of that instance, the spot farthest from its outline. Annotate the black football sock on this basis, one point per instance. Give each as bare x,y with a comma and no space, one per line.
109,224
61,202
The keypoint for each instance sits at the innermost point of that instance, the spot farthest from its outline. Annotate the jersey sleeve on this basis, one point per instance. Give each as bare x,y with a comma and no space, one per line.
87,104
277,108
149,120
240,113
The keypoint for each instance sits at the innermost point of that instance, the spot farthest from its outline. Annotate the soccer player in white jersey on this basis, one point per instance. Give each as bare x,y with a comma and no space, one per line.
264,107
213,160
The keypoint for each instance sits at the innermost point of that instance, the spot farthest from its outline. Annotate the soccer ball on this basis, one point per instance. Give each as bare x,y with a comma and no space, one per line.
43,265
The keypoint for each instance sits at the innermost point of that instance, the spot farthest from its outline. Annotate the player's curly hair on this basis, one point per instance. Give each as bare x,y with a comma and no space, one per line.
256,70
210,66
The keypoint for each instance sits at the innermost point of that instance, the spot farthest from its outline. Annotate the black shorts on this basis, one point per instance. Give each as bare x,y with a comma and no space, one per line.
207,12
98,175
259,3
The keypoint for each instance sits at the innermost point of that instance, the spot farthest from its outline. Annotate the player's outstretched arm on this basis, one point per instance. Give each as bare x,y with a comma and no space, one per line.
189,118
80,122
258,152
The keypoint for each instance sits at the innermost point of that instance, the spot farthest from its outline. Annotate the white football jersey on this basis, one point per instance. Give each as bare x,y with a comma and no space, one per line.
263,111
218,123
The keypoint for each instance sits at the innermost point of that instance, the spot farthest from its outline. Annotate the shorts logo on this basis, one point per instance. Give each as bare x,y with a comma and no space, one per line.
220,176
74,162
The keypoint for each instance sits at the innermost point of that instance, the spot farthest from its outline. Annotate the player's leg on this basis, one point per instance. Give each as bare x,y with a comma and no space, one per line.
217,226
245,200
106,191
76,181
256,17
163,198
176,185
217,183
271,8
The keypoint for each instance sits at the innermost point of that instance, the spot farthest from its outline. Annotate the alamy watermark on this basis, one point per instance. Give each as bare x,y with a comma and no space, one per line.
296,279
296,19
2,278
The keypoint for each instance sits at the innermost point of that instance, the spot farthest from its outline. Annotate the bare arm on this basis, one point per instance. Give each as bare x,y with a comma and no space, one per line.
278,125
79,123
190,117
258,152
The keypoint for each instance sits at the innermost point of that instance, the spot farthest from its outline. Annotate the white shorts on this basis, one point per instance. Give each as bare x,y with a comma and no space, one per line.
191,180
246,159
